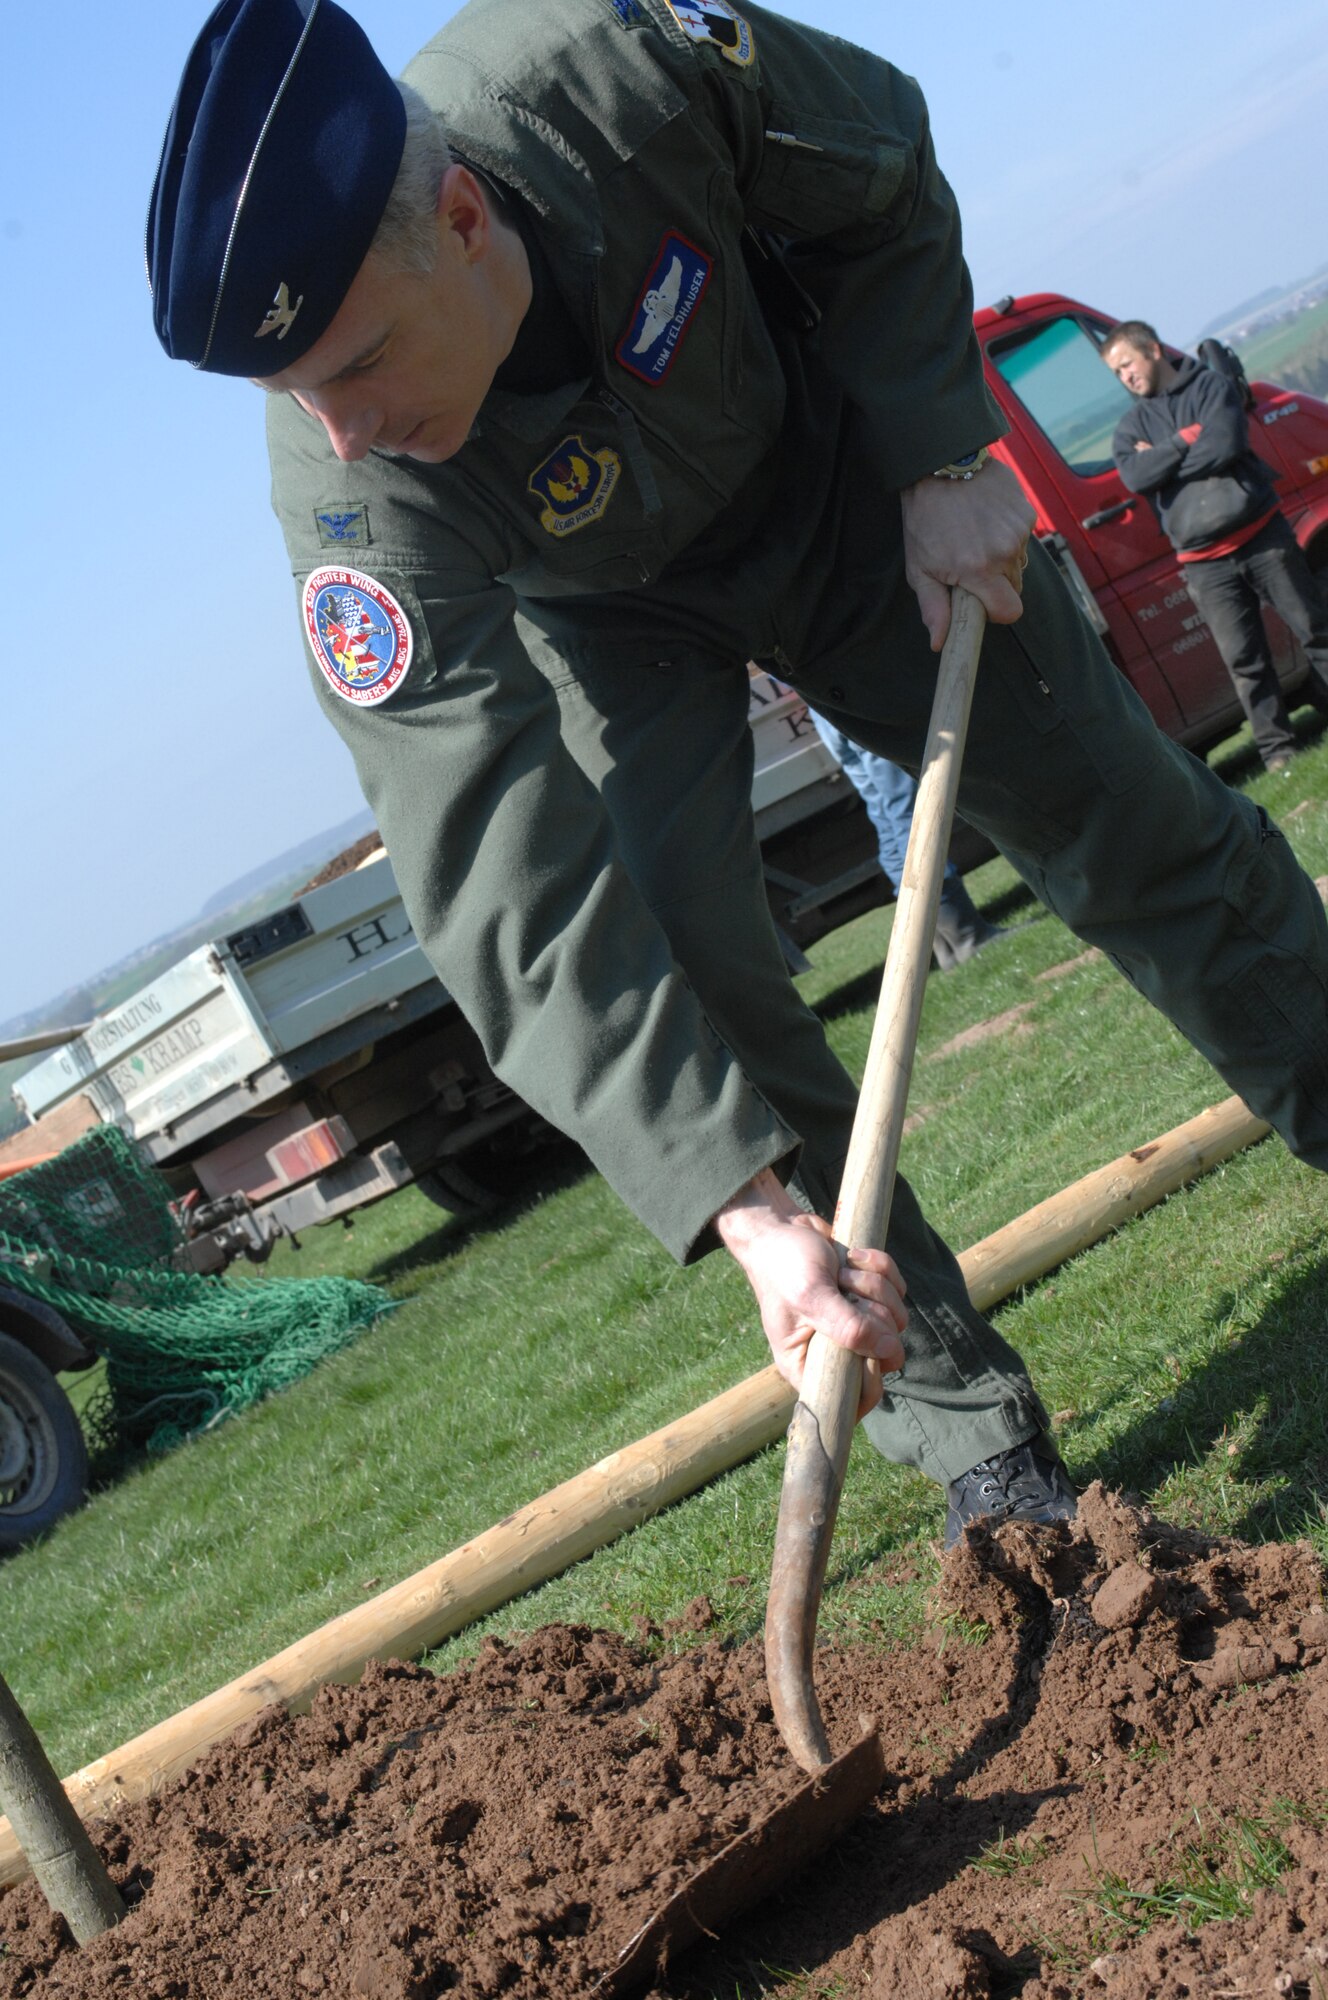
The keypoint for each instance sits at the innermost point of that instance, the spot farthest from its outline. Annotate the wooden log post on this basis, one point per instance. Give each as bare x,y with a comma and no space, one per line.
586,1512
1089,1209
68,1868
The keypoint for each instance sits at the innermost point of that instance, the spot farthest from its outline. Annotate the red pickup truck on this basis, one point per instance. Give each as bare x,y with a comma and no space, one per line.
1044,367
1062,404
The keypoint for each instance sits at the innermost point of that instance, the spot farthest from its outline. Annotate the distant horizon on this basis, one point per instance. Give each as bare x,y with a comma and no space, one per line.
1258,302
327,844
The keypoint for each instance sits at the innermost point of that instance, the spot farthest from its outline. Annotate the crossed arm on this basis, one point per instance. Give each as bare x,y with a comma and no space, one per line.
1197,450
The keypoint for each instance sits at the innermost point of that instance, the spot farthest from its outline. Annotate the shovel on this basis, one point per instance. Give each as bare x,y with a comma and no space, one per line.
838,1788
823,1422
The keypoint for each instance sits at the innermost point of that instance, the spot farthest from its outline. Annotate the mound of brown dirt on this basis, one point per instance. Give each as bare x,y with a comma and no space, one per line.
1110,1728
343,863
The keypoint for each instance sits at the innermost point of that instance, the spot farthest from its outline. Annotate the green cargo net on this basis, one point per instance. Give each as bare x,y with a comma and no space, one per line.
92,1232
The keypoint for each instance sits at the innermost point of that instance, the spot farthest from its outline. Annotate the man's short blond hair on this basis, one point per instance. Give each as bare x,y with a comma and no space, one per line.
407,235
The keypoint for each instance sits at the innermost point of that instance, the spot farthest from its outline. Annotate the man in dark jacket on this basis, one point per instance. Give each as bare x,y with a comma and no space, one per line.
1186,446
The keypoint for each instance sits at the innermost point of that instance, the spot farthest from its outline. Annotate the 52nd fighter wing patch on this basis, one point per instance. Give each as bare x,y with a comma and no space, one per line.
674,287
714,21
360,636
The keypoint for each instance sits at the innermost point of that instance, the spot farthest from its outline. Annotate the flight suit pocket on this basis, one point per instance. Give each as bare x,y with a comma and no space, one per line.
1255,885
1075,689
819,175
584,505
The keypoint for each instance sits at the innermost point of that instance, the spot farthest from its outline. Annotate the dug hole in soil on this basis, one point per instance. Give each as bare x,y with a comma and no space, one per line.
1109,1727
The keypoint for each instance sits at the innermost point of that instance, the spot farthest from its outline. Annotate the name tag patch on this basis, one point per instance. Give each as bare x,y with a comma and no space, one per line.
716,22
341,524
674,287
574,484
361,637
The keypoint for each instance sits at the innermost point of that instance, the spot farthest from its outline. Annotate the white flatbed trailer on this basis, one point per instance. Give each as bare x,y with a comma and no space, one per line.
297,1068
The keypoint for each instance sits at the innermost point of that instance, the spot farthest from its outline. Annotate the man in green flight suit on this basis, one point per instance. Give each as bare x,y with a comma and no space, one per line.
626,341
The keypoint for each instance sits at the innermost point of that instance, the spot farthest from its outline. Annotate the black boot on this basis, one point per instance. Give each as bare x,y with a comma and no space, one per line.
960,931
1026,1483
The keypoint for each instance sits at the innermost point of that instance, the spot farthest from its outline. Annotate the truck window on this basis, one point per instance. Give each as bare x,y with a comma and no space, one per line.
1059,377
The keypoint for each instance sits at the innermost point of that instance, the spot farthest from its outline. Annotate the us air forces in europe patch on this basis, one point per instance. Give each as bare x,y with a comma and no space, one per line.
674,286
574,484
714,21
360,635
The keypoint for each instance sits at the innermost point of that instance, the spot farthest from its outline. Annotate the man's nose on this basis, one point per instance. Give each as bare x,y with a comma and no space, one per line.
351,426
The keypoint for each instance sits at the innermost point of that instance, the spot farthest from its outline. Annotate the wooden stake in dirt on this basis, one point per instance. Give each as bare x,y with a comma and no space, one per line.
68,1867
585,1513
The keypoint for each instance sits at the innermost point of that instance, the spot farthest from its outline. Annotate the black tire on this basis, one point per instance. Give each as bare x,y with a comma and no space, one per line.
449,1186
43,1456
499,1170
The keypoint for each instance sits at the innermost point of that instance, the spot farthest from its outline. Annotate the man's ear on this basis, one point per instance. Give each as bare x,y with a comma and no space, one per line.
463,208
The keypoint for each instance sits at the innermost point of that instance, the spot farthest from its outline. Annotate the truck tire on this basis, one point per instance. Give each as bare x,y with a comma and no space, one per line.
449,1186
43,1456
497,1171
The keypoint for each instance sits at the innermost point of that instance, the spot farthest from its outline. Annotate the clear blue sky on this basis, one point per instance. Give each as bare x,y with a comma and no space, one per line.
159,734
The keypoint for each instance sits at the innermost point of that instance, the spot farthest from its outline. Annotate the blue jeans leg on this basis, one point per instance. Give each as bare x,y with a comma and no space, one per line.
886,790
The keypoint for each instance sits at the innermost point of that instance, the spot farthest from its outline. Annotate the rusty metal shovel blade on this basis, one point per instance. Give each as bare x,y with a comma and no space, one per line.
752,1865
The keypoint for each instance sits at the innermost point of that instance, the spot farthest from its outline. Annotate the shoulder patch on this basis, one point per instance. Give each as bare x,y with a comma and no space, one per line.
674,287
714,21
630,12
361,637
574,484
341,523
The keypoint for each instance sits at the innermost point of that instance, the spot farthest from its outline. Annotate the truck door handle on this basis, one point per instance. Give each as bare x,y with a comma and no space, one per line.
1107,514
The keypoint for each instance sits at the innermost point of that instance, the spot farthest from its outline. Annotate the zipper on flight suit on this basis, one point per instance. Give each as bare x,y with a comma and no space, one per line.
637,456
1035,672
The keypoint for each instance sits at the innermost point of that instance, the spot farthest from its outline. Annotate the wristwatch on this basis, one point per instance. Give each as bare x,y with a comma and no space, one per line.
967,467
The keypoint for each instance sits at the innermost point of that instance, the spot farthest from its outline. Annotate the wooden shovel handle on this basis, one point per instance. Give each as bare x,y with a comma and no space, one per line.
822,1425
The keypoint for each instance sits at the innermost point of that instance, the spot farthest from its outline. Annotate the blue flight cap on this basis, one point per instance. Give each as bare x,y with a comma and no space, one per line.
280,154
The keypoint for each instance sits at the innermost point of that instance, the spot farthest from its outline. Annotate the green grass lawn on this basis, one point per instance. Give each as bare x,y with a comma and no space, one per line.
1183,1357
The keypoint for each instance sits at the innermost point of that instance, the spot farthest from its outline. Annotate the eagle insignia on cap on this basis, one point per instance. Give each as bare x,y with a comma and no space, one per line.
280,315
